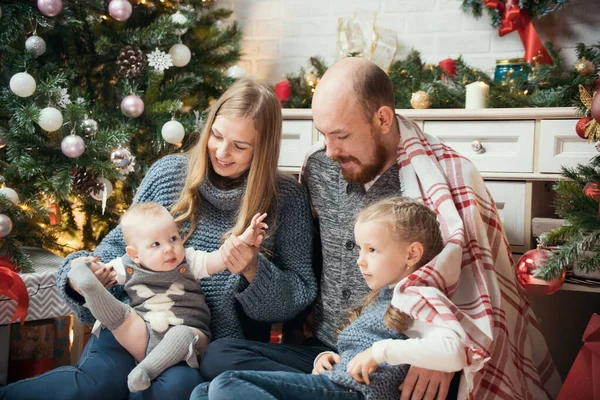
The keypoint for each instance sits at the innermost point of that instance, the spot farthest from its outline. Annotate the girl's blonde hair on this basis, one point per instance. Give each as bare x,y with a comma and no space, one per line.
247,99
409,221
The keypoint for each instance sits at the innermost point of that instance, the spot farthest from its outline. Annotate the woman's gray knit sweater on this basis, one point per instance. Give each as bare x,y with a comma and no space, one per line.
285,283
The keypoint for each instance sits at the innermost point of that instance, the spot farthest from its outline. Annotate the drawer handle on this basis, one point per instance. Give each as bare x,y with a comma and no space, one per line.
476,146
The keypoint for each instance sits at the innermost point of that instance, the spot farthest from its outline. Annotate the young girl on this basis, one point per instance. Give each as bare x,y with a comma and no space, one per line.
395,236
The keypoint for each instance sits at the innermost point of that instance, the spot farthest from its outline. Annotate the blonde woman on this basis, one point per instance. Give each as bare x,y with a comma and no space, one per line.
213,191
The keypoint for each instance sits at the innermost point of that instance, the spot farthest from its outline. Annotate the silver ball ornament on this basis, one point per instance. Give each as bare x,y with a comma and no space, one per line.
10,194
3,142
35,45
22,84
97,195
5,225
180,55
173,132
72,146
132,106
122,158
50,119
50,8
89,126
120,9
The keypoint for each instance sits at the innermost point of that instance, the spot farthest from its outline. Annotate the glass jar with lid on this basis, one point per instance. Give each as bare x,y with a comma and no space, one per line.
509,67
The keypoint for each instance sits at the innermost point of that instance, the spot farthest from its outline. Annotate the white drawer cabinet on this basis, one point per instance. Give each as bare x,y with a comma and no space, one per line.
493,146
560,146
510,203
295,142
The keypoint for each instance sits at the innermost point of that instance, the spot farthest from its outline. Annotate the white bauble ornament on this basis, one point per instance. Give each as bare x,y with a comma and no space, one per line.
132,106
104,184
22,84
5,225
179,18
173,132
72,146
235,72
180,55
50,119
35,45
12,196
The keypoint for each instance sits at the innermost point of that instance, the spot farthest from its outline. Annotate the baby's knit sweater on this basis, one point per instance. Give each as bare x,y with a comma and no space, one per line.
367,329
285,283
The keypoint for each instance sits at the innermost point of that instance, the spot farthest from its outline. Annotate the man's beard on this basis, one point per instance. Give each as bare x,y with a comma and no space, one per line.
366,172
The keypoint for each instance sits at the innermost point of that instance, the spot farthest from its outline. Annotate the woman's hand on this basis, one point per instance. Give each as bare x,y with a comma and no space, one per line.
106,276
325,362
361,365
239,258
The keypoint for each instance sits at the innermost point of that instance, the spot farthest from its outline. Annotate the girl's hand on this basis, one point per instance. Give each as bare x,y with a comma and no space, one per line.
361,365
325,363
240,258
255,233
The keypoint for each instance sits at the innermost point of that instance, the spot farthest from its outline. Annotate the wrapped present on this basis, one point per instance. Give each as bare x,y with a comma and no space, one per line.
38,346
583,381
44,301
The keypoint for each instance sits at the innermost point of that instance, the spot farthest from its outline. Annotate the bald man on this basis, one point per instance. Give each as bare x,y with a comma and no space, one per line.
369,153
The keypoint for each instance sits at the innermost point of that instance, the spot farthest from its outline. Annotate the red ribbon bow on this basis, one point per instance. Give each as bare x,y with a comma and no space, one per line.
515,19
13,287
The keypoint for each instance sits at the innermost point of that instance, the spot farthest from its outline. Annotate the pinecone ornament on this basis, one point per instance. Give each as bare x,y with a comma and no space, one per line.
85,182
131,62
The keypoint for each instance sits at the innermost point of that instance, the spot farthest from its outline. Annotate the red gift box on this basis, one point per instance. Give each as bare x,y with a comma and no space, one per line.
583,381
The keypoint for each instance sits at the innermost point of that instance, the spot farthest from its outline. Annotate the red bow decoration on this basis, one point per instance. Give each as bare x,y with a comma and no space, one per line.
515,19
13,287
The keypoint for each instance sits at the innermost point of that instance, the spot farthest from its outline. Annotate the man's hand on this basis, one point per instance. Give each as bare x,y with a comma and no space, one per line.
326,362
426,384
361,365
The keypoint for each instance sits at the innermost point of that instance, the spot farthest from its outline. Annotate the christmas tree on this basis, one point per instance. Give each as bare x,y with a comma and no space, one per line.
92,93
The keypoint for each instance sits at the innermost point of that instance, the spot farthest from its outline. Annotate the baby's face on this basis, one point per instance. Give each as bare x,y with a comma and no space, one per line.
158,244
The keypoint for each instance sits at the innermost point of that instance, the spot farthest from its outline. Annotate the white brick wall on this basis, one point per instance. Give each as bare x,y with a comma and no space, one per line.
280,35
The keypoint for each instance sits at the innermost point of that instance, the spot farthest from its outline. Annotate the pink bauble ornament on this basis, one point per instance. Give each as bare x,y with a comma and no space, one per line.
527,267
72,146
132,106
119,9
596,106
50,8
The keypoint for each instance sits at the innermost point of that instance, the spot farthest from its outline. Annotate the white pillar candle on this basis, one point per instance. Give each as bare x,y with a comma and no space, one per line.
477,94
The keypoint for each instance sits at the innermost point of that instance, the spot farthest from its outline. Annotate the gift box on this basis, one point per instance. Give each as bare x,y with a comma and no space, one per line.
583,381
39,346
44,301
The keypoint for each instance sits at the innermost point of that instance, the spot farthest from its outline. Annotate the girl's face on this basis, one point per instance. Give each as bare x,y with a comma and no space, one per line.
231,146
382,260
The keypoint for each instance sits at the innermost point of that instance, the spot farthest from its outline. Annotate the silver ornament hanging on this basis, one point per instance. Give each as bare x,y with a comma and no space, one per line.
5,225
89,126
35,45
2,142
123,160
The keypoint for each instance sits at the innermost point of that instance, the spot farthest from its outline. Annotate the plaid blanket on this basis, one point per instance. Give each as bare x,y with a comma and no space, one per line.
470,286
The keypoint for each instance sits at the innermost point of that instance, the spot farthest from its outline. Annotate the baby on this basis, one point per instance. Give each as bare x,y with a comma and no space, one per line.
168,319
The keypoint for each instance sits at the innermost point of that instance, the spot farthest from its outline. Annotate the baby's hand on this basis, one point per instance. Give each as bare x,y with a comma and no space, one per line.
325,362
255,233
105,275
361,365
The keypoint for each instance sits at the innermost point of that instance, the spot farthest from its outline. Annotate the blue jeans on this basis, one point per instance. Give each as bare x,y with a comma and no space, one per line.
101,373
267,385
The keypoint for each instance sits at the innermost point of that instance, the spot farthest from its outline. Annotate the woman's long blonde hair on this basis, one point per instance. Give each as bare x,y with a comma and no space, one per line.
247,99
409,221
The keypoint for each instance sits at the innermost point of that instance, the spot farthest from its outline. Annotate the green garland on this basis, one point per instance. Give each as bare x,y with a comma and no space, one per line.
540,86
535,8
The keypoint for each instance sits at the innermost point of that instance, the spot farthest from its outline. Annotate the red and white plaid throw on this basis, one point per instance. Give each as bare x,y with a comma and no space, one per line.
470,286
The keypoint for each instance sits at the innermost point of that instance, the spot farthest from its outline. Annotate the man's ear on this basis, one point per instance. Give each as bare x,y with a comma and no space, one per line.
414,253
132,253
385,118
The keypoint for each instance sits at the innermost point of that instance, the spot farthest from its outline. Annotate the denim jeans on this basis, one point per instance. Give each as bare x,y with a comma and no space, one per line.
267,385
238,354
101,373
